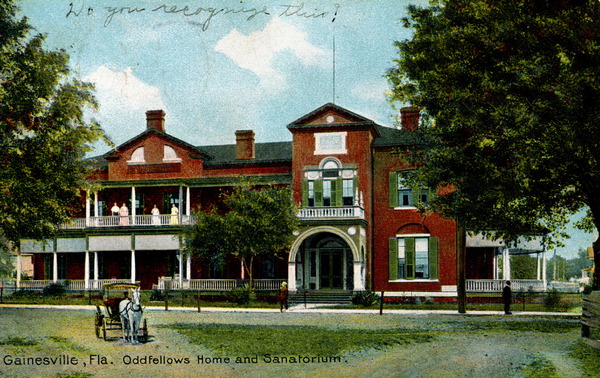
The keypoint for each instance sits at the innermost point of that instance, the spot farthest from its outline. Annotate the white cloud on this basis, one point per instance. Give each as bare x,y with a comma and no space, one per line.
373,90
256,52
124,100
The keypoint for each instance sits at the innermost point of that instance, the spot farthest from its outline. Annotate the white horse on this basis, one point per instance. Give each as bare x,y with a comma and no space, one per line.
130,312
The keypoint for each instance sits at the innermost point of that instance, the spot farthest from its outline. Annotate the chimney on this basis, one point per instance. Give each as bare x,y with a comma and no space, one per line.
155,119
409,118
244,144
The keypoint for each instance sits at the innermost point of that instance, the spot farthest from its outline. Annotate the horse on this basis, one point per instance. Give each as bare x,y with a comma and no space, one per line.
130,312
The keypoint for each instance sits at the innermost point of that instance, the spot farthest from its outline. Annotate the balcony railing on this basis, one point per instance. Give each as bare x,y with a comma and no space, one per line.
216,284
131,220
496,286
349,212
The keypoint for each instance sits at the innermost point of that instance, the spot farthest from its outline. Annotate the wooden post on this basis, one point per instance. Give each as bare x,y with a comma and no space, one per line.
381,303
461,274
304,298
167,284
198,299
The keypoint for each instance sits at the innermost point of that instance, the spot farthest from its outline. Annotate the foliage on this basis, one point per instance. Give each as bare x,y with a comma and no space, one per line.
523,266
365,298
576,265
552,299
510,99
54,290
242,295
248,340
256,221
44,134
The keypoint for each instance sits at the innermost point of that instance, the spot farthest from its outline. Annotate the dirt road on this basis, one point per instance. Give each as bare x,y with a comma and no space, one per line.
464,346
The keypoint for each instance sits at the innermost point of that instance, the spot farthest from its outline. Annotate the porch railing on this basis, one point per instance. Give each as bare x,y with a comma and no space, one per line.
76,285
216,284
495,286
131,220
332,212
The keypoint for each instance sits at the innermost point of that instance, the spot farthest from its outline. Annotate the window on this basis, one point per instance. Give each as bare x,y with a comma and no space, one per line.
330,143
311,194
327,192
170,155
348,192
402,195
137,157
413,258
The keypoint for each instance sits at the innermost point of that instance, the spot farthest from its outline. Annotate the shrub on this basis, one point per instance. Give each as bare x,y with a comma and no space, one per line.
364,298
242,295
552,299
54,290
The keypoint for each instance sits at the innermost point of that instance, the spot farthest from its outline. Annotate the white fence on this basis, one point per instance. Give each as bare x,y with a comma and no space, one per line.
495,286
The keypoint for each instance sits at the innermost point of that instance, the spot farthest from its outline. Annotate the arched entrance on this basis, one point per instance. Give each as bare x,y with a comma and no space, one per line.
324,261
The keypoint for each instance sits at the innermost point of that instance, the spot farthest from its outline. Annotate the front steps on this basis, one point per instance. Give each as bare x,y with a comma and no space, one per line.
329,297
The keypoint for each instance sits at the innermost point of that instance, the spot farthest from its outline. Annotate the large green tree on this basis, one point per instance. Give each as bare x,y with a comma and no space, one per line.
44,134
250,222
510,97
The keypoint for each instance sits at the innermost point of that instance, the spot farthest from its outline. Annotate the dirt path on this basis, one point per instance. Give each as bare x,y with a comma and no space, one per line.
459,349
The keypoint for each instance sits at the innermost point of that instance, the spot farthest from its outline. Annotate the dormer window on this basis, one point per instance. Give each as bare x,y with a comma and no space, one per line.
330,143
170,155
137,157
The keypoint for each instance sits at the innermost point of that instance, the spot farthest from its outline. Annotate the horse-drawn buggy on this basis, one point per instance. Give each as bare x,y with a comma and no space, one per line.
122,312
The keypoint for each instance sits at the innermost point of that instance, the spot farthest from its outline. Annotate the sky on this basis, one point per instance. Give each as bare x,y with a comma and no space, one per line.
216,66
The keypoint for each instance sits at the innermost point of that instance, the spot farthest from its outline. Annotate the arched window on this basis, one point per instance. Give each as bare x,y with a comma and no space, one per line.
170,155
137,157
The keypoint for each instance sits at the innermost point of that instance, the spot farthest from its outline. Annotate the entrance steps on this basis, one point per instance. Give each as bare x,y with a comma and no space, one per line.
320,297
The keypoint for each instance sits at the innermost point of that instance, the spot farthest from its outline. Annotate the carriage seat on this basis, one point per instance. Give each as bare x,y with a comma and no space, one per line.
112,307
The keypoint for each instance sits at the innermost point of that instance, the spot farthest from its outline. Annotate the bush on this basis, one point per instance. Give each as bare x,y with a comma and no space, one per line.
587,289
552,299
54,290
364,298
242,295
24,294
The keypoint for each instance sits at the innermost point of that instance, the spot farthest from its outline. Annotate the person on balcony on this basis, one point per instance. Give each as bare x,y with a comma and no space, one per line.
123,216
115,210
155,215
174,215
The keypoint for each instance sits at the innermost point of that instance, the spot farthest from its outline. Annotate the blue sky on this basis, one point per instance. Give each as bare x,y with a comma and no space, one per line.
256,65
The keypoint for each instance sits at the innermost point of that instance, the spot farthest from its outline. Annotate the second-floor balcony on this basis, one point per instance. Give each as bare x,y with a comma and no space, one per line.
128,221
347,212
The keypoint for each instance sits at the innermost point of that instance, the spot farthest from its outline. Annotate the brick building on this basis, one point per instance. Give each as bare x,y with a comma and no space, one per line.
359,226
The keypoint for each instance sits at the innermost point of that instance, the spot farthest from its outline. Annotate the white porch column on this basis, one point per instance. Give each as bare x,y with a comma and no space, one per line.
95,266
544,269
133,205
188,267
180,207
87,208
539,267
506,265
132,266
188,205
19,269
180,268
54,266
243,273
86,271
359,283
95,204
292,276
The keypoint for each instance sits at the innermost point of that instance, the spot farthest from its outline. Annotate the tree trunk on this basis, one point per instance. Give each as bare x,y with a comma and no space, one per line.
461,281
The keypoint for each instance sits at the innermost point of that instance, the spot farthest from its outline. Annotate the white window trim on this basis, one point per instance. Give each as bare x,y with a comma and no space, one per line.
138,162
342,150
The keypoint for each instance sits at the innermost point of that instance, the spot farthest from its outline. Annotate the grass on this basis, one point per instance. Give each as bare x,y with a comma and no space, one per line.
533,325
17,341
589,357
253,340
541,367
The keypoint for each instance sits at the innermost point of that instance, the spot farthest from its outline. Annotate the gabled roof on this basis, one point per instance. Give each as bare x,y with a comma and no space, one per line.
342,118
147,133
264,153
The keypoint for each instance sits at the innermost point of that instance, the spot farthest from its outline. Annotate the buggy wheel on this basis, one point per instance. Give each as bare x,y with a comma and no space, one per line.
104,329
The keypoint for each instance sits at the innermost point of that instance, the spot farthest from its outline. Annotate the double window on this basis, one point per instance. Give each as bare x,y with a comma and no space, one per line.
403,195
413,258
328,192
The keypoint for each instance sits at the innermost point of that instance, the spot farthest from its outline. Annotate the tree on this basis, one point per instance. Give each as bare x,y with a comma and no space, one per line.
510,99
256,222
44,134
523,266
577,264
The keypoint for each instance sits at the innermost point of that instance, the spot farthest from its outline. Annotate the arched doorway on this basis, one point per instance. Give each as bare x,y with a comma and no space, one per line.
325,262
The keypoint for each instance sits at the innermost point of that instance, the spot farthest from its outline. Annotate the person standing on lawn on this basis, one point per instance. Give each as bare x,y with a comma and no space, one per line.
283,297
507,298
